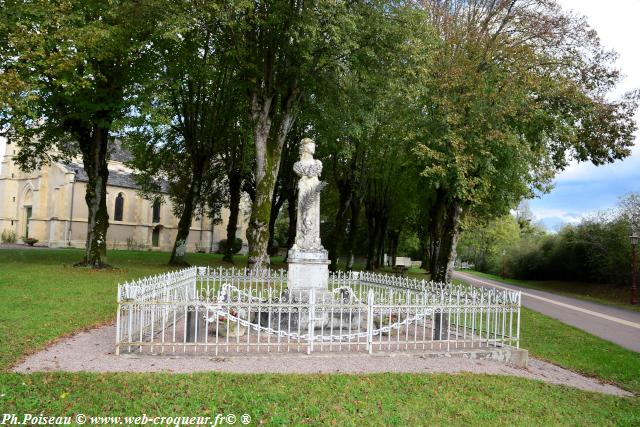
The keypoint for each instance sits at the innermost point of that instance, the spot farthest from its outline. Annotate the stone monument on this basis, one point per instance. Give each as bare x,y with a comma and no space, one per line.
308,260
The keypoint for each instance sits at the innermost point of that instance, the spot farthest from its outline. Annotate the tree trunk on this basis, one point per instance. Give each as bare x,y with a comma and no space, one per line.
372,229
394,238
447,254
275,211
436,229
179,252
335,243
356,205
425,243
268,153
258,231
94,156
381,233
235,186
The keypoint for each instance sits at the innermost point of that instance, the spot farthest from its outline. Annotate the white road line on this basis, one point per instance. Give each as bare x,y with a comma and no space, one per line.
561,304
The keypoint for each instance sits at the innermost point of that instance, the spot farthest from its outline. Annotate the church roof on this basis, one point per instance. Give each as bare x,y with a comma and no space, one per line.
116,178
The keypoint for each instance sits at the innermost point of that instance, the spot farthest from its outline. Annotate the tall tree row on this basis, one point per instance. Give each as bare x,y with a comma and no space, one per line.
425,113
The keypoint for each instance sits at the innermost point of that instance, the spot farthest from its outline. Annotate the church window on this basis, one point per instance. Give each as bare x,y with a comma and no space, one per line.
117,216
156,211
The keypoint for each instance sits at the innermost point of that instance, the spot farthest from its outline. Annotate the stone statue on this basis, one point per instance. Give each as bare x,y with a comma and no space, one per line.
309,188
308,260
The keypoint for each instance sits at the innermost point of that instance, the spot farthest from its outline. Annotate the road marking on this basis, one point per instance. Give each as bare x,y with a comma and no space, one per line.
561,304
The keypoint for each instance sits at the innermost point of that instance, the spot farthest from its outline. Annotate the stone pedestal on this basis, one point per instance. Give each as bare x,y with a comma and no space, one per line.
308,270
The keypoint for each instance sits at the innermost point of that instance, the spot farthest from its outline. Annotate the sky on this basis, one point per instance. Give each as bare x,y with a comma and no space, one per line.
584,189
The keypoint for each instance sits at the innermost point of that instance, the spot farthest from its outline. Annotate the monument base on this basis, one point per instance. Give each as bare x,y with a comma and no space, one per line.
308,270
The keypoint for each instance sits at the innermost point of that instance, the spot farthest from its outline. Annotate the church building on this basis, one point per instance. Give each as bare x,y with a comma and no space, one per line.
49,205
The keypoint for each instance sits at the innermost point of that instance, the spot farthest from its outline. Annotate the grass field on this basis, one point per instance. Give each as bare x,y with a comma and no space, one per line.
618,296
43,298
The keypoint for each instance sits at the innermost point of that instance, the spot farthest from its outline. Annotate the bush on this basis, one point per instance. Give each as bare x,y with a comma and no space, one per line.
30,241
237,245
8,236
596,251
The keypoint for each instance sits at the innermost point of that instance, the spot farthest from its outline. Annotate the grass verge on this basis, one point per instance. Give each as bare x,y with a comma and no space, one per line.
349,400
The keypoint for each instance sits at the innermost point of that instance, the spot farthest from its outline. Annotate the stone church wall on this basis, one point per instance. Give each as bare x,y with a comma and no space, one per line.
55,201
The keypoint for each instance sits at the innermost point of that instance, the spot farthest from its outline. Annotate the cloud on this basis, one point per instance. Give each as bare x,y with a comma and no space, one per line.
583,189
554,219
628,168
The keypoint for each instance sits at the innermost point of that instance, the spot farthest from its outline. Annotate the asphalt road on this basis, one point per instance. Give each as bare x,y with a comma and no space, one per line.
610,323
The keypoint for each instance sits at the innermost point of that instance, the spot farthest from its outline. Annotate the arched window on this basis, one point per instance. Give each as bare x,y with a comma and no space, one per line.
117,215
156,211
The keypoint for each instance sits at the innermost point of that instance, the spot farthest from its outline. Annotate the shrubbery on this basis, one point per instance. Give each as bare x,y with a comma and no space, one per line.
8,236
597,250
237,245
30,241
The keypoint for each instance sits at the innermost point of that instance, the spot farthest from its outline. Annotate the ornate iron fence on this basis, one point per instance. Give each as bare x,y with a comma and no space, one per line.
224,311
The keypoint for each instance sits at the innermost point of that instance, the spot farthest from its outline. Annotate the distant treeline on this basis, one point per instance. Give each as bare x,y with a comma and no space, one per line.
597,250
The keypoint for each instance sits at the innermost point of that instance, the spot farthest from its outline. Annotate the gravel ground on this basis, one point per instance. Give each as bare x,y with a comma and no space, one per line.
93,351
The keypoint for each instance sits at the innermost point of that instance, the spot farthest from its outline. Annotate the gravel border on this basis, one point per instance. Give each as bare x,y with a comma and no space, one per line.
93,351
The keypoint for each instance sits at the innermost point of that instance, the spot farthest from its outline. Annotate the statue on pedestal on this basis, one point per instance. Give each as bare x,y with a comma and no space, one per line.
308,260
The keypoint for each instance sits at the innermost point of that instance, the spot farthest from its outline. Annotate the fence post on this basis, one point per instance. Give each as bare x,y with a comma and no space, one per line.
118,323
312,315
518,326
370,321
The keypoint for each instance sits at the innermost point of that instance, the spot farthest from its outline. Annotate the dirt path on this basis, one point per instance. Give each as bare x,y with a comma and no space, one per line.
93,351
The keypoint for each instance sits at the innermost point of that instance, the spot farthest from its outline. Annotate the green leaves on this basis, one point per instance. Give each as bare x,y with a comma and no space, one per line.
499,117
68,66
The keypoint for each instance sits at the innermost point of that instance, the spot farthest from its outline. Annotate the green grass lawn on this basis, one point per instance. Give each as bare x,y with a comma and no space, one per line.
43,298
380,399
618,296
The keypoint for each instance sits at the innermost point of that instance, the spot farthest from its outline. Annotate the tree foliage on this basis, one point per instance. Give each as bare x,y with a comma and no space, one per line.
516,89
596,250
429,116
185,115
66,70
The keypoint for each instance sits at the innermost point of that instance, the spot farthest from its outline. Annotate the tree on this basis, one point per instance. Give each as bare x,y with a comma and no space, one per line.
484,242
67,69
351,107
237,159
184,117
286,183
278,46
629,208
515,89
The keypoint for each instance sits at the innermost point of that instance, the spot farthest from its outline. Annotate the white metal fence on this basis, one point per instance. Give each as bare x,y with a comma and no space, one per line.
224,311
